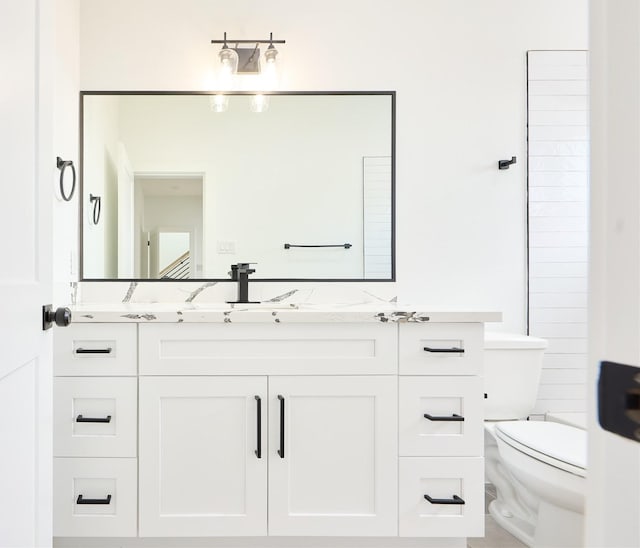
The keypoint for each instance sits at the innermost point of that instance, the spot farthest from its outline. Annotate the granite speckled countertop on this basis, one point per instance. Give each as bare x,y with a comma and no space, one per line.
274,312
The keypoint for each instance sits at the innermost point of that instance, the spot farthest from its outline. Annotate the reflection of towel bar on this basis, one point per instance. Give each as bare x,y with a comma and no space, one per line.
289,246
97,207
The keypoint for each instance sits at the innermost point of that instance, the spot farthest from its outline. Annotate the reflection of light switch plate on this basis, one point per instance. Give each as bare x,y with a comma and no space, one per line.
225,248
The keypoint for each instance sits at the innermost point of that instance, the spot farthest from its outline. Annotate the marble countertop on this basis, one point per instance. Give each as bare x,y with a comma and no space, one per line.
274,312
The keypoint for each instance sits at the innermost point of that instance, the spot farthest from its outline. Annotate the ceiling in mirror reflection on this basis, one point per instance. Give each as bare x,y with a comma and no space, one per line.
311,170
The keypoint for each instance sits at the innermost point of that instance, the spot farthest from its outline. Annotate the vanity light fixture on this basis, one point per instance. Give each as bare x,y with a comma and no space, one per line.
239,60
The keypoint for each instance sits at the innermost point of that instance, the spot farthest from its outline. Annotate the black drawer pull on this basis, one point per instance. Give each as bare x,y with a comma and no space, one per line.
452,418
80,418
94,350
455,500
444,350
82,500
281,450
258,450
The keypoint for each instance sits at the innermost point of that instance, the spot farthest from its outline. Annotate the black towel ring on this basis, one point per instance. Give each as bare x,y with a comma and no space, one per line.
97,207
62,165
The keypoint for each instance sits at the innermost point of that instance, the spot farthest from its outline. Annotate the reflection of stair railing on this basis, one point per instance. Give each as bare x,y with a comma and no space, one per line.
178,269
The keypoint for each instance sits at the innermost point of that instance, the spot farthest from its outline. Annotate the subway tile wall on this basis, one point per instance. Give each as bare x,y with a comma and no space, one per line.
558,194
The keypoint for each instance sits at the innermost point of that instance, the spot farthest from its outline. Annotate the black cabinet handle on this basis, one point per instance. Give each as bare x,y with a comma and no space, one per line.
80,418
455,500
452,418
94,350
444,350
82,500
258,451
281,450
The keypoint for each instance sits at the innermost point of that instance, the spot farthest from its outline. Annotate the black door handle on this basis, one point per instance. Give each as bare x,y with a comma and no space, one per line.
82,500
444,350
452,418
94,350
258,450
281,450
80,418
455,500
60,316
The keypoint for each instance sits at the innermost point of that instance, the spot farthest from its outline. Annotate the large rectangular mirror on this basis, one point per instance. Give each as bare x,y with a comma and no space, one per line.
176,186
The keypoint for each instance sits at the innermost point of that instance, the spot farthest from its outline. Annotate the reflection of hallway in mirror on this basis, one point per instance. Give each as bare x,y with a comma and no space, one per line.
168,224
173,255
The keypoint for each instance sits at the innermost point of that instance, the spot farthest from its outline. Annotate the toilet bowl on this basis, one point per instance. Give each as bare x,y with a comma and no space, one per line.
537,467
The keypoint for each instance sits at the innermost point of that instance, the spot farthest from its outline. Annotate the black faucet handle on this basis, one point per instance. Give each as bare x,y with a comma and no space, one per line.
241,268
245,268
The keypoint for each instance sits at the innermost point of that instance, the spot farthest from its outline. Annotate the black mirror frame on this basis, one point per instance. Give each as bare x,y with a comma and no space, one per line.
81,212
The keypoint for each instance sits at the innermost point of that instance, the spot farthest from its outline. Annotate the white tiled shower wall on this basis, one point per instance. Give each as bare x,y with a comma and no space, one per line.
558,222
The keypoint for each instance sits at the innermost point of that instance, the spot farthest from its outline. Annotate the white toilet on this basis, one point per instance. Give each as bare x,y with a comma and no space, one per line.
537,467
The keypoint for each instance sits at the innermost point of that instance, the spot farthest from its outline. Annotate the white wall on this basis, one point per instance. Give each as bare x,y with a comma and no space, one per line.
66,143
459,70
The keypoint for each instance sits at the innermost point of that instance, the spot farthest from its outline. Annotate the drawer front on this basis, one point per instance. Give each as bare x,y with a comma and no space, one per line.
95,417
441,416
268,349
95,497
441,348
443,480
95,349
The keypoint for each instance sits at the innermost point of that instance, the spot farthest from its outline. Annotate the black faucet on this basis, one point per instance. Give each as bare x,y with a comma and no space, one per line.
240,273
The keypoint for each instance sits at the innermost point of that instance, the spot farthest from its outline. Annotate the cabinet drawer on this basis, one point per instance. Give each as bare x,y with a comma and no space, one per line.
441,416
268,349
94,497
95,417
95,349
441,479
441,349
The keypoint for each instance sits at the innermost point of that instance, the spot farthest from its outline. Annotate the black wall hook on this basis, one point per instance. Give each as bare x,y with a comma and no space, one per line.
97,207
62,165
504,164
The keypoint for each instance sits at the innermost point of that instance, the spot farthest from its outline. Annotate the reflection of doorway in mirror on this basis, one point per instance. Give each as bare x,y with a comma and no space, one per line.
169,223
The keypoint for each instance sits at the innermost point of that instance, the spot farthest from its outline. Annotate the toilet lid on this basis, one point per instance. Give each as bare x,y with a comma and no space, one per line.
556,444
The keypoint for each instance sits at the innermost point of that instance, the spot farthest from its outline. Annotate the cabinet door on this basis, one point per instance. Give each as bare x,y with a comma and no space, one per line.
333,456
203,468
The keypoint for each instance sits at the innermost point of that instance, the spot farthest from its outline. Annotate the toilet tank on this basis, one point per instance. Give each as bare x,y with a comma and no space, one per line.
512,367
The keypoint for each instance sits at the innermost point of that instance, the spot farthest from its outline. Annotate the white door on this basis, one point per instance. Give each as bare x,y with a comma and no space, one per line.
26,179
203,458
333,456
613,497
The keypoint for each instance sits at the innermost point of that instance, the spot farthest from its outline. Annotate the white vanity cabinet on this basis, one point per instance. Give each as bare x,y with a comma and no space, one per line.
269,429
329,442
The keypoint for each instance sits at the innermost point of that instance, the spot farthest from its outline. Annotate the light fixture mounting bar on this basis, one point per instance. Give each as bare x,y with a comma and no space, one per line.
231,41
267,41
